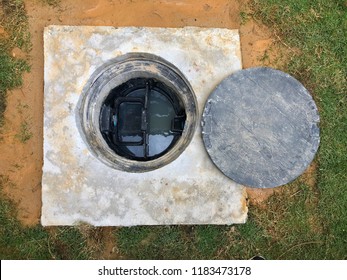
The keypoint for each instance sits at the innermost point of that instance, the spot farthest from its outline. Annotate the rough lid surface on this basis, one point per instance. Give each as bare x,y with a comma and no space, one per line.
260,127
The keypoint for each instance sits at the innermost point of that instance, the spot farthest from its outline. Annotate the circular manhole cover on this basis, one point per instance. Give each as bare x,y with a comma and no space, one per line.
260,127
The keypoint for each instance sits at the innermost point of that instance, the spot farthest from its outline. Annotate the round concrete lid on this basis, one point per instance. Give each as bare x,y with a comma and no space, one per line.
260,127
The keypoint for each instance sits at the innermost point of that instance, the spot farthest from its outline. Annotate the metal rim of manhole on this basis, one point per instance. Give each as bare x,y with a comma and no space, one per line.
121,117
260,127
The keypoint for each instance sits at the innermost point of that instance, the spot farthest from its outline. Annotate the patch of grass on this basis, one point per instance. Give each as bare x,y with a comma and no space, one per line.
14,22
24,133
208,241
160,242
290,227
170,242
244,17
11,70
18,242
188,242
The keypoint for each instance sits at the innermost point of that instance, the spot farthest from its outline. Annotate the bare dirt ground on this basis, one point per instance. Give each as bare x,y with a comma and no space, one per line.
22,162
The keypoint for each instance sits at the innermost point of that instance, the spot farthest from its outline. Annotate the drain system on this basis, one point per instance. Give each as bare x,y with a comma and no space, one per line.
137,112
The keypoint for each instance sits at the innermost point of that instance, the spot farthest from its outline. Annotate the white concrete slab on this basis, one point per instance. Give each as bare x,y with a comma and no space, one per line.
77,187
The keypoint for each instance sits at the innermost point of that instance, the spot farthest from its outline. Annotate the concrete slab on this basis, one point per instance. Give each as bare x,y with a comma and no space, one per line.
77,187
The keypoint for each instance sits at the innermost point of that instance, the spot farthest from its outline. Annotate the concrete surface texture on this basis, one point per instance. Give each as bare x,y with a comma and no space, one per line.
78,188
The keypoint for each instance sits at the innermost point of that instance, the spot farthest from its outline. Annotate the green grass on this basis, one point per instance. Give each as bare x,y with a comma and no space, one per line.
14,21
18,242
11,70
303,221
24,133
171,242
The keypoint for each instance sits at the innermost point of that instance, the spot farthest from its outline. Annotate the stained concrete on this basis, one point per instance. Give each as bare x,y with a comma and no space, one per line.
77,187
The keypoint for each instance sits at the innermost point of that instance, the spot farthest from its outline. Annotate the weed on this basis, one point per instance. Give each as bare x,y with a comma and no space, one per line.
265,57
16,167
24,134
21,107
53,3
244,17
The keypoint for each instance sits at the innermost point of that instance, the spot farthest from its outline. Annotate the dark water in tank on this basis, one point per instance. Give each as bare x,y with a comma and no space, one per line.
160,113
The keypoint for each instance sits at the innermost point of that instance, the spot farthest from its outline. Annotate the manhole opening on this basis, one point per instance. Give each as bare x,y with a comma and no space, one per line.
137,112
142,119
